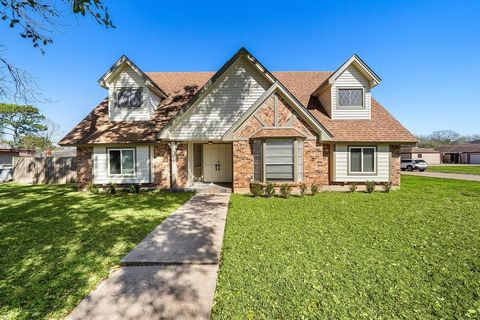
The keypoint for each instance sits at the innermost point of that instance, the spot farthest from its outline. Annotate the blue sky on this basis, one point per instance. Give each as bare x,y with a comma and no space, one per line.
426,52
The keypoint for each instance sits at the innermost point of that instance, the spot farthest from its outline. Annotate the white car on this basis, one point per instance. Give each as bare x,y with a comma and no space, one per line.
410,165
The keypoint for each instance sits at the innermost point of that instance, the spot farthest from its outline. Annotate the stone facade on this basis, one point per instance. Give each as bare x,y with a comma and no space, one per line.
395,165
84,167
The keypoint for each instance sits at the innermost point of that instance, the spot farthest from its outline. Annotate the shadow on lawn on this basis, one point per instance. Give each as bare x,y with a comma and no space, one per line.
57,244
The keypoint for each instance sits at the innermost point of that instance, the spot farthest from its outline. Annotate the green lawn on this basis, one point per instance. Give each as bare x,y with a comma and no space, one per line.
472,169
57,244
409,254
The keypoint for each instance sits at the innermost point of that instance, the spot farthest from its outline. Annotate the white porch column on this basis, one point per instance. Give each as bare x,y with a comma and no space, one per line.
173,160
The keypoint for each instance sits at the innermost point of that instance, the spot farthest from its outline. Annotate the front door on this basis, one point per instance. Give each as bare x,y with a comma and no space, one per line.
217,163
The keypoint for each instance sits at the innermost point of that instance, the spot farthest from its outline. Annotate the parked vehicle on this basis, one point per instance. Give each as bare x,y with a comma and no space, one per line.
410,165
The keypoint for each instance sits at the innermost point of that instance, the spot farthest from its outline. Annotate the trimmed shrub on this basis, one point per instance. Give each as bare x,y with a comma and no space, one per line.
93,188
370,186
111,188
285,190
135,188
314,189
303,189
256,189
269,190
353,187
387,186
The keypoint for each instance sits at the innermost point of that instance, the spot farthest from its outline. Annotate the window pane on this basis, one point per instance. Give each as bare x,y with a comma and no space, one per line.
136,98
350,97
114,156
355,160
127,162
257,160
368,160
279,152
282,172
123,97
129,98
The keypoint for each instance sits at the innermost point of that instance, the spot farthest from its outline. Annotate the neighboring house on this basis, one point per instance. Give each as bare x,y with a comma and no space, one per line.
238,125
7,153
461,153
430,155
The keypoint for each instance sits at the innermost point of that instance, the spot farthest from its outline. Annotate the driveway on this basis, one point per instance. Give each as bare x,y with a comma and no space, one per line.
172,273
456,176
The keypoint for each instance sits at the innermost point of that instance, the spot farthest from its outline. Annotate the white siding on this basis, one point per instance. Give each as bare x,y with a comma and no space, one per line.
325,98
341,162
128,78
351,78
142,168
235,92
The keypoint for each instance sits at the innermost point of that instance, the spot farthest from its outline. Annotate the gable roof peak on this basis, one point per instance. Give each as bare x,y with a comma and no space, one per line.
359,64
125,60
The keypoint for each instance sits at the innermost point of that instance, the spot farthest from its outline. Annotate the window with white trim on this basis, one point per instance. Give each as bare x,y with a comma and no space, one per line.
277,158
121,162
362,159
350,97
129,98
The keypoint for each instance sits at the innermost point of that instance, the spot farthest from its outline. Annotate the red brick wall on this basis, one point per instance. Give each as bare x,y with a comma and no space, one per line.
84,167
316,155
162,169
182,166
395,165
161,166
242,165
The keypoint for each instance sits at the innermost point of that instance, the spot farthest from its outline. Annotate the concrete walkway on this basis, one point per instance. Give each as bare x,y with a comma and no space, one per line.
172,273
456,176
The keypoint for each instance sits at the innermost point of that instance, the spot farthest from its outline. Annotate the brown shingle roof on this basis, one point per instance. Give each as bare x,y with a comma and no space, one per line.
460,148
181,86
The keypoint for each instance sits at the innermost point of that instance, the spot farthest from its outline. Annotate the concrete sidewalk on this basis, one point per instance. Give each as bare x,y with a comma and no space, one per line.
456,176
172,273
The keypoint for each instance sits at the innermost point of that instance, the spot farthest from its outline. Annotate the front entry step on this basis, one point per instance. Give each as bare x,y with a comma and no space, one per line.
201,187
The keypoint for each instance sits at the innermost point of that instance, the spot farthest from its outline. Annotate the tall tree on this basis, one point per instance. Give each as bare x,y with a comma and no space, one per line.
35,19
20,120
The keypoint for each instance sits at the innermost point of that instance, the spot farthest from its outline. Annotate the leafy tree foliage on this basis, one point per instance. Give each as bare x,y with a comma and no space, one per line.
17,121
35,142
444,137
35,19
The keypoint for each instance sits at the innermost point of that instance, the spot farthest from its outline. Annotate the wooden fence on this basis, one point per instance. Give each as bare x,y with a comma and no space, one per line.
50,170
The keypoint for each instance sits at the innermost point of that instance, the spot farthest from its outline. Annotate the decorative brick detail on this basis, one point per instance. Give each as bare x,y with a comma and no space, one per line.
395,165
84,167
315,158
182,164
242,165
161,166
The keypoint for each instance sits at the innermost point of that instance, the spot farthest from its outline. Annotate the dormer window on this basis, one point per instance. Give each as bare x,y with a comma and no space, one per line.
350,97
129,98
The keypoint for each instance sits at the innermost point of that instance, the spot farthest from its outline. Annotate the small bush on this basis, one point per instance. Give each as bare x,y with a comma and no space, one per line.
303,189
370,186
256,189
353,187
93,188
111,188
269,189
314,189
387,186
135,188
285,190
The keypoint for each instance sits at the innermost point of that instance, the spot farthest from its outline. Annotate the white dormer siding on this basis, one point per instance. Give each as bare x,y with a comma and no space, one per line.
127,78
223,104
351,78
